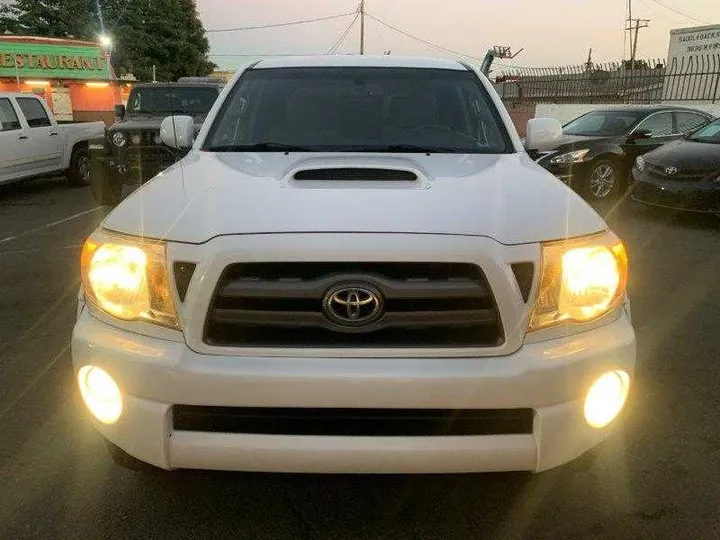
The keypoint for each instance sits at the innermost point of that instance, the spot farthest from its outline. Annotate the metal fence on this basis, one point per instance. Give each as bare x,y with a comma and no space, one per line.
695,78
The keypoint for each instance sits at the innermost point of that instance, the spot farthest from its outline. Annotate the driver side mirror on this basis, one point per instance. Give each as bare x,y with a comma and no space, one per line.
639,134
178,131
120,111
542,134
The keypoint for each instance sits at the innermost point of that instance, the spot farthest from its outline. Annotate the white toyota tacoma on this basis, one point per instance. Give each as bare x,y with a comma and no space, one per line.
356,268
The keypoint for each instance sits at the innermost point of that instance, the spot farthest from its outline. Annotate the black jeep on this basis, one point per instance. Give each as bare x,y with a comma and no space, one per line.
131,152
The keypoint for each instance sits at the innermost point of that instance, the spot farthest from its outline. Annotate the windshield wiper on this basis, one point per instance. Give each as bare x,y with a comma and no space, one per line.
260,147
406,148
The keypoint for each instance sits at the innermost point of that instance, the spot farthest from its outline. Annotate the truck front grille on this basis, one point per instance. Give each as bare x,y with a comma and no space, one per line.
288,305
353,422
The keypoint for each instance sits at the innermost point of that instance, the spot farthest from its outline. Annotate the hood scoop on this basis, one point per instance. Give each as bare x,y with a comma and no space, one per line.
362,174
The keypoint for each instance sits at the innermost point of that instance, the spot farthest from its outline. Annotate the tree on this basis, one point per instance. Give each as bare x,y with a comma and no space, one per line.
167,34
50,18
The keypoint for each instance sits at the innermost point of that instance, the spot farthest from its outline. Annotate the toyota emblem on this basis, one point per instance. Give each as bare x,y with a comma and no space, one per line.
670,170
353,304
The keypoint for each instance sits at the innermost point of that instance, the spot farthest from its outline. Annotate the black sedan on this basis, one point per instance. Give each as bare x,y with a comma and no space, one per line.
684,175
598,149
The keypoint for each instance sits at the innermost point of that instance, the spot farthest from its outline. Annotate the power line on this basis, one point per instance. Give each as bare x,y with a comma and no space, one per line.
258,55
670,8
421,40
278,25
343,36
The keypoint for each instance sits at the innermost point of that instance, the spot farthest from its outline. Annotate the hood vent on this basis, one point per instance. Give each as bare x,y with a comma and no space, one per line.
356,173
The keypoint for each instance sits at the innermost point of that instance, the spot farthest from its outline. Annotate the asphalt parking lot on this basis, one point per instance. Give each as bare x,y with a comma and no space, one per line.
657,477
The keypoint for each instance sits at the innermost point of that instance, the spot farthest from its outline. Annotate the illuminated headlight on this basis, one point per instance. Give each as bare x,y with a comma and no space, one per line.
127,278
118,139
640,163
581,280
135,139
576,156
100,393
606,398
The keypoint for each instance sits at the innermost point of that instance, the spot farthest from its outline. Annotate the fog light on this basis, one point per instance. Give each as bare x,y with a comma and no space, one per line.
606,398
100,394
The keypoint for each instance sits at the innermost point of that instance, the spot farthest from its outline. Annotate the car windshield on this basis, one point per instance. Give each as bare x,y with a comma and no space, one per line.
603,123
359,109
708,134
171,99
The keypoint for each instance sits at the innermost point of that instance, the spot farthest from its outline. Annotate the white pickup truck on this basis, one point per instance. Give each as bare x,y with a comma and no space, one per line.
356,268
32,143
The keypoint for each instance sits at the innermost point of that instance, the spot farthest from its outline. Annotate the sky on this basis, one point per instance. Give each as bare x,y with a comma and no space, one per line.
551,32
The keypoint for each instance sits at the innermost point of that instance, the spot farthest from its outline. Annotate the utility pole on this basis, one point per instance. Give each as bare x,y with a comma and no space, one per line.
638,24
362,26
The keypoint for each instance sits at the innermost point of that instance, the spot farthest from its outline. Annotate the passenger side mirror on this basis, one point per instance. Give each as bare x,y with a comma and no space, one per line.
542,133
178,131
639,134
120,111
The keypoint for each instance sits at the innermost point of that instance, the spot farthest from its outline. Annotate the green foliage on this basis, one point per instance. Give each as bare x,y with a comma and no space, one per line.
165,33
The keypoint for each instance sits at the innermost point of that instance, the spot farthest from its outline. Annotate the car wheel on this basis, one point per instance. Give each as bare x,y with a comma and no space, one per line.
602,181
80,171
106,189
126,461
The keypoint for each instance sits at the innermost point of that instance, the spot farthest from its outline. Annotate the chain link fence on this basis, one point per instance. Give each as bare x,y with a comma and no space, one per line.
693,78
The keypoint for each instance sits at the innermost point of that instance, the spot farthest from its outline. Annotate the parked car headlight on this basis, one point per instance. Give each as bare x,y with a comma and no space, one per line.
127,277
118,139
576,156
582,280
640,163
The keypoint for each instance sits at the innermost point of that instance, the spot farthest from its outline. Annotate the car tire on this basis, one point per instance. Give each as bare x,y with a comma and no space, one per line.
126,461
80,171
106,189
603,181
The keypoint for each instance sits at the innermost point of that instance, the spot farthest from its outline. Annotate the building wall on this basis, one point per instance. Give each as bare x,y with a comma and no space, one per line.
520,114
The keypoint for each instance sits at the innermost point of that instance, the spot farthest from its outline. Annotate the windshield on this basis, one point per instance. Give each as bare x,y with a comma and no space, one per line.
708,134
603,123
171,100
358,109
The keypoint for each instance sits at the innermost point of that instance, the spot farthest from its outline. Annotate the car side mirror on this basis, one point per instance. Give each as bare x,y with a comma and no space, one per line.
120,111
639,134
542,133
178,131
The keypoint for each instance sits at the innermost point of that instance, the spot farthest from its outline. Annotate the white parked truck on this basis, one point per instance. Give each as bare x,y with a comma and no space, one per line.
33,144
356,268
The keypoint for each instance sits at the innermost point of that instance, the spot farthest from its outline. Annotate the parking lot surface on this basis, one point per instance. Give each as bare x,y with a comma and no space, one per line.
658,476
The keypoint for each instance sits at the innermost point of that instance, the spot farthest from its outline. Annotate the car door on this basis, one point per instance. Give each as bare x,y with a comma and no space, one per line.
45,140
661,126
15,153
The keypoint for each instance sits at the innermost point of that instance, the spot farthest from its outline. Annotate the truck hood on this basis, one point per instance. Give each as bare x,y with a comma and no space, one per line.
148,123
506,197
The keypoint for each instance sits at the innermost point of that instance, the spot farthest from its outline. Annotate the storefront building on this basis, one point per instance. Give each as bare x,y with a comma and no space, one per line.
74,77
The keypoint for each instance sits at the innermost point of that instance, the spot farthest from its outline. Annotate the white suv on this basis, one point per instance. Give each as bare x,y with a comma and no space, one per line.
356,268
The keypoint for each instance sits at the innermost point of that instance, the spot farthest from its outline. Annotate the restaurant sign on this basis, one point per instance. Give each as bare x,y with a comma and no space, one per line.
50,61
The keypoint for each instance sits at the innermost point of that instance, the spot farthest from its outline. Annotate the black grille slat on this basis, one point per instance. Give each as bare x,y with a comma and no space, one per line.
409,319
353,422
425,304
452,288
